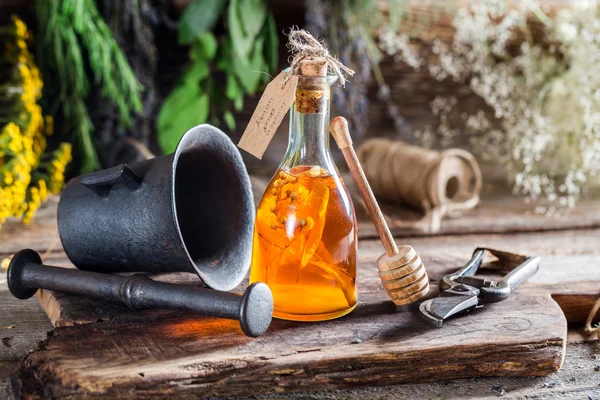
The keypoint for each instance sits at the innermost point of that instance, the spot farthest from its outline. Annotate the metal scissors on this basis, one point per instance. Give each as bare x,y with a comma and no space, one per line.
462,292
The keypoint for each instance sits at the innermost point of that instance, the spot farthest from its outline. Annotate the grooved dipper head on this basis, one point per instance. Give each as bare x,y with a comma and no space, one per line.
14,276
256,309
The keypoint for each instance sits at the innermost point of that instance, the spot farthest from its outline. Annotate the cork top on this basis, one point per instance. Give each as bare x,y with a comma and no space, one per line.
312,98
314,67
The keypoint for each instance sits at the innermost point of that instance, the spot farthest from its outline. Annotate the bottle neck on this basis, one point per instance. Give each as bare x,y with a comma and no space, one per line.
309,132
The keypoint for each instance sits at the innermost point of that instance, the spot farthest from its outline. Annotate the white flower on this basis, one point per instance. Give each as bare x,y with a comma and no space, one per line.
544,97
566,32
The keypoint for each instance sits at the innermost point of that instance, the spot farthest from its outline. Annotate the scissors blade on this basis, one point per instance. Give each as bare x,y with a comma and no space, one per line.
435,311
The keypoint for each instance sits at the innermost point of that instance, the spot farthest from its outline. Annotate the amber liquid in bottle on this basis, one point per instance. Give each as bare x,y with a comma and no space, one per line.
305,242
305,245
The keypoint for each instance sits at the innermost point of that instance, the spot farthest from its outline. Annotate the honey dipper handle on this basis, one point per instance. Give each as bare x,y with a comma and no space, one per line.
339,129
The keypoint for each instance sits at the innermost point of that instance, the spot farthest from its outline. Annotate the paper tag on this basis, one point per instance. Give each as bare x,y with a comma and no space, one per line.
272,107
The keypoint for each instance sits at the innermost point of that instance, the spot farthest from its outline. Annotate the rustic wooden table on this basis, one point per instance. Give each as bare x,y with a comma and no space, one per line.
23,324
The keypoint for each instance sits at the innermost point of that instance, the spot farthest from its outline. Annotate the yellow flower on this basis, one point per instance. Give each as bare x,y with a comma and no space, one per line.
24,73
5,204
43,189
16,145
34,203
31,158
21,44
20,26
12,130
29,214
27,143
22,146
49,125
36,120
57,167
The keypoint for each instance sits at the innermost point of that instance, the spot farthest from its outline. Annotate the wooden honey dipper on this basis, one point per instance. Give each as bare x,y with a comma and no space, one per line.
401,270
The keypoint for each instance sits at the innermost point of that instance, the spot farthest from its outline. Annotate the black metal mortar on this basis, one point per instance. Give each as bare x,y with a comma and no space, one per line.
188,211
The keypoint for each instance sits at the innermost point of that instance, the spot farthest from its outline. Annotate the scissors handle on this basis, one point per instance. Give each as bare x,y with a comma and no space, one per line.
511,281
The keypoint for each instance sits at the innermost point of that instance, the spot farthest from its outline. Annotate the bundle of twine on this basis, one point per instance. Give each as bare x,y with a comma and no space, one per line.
436,182
304,47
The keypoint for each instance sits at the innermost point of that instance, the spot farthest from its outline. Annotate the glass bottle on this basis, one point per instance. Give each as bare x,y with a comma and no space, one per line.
305,240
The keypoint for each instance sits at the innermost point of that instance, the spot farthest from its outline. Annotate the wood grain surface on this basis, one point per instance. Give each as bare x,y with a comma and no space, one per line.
137,354
105,351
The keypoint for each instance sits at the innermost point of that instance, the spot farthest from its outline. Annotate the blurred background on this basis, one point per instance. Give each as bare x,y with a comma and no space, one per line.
88,84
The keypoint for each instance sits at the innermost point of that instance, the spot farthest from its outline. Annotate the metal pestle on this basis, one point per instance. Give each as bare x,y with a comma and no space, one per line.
254,309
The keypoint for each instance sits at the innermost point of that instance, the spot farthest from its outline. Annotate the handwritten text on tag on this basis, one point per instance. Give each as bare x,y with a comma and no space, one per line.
272,107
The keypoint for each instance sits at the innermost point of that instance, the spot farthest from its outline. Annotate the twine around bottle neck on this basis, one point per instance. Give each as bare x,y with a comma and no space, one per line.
304,47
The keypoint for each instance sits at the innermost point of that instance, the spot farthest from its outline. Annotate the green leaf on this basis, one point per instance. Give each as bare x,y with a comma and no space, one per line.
184,108
249,77
229,120
253,14
223,60
242,43
200,16
195,73
204,47
232,88
238,103
250,74
271,44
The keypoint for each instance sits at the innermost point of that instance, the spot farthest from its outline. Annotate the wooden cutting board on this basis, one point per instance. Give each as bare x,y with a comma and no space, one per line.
105,351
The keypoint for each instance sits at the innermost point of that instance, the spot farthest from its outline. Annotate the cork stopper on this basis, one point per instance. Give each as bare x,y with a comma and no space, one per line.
314,67
312,100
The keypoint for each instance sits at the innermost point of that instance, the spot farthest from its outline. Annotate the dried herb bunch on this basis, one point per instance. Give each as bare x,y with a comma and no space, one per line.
76,39
223,68
542,86
27,172
133,24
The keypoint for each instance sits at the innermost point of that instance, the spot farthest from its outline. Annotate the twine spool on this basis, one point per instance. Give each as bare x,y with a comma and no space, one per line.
436,182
